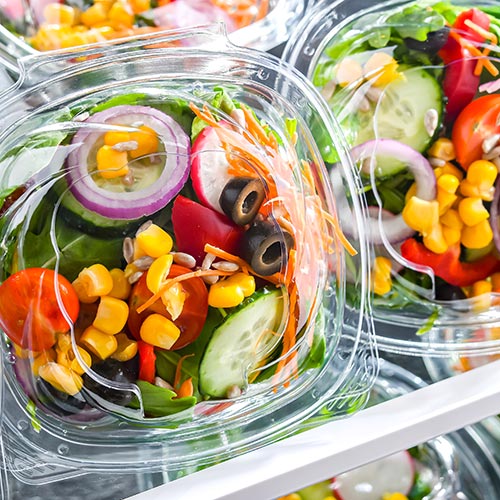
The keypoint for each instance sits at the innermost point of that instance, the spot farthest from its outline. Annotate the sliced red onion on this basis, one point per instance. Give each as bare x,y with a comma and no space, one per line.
494,222
395,228
134,204
490,87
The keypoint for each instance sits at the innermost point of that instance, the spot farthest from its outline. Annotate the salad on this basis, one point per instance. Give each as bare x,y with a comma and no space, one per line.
401,476
416,89
161,250
52,24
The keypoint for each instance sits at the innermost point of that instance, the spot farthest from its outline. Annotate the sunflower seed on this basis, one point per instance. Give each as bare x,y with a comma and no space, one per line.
143,263
364,105
238,116
184,259
128,249
225,265
431,120
210,280
125,146
490,142
328,90
81,117
159,382
233,392
493,153
135,277
143,227
207,261
496,161
128,179
436,162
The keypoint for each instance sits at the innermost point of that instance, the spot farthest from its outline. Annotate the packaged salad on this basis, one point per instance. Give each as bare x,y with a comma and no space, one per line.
174,271
415,87
44,25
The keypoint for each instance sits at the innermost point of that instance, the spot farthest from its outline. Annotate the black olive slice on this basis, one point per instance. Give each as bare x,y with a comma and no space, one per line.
241,199
265,247
432,44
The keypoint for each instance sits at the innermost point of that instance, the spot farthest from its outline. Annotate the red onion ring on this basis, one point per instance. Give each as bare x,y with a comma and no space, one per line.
136,204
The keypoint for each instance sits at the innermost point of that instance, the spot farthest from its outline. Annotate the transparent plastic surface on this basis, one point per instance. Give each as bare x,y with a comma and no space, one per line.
457,465
63,108
32,27
390,95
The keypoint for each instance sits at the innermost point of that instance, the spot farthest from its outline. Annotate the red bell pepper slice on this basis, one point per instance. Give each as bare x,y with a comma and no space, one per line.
448,265
475,16
147,360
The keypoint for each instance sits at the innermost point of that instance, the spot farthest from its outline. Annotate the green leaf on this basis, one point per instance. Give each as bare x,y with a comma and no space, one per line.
416,22
35,422
160,402
427,326
5,193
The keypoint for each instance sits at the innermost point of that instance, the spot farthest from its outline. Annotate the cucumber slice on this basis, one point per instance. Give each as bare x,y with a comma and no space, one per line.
240,343
400,115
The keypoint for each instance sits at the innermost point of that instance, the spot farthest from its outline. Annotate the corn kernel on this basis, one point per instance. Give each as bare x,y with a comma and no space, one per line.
451,219
96,280
42,359
348,71
154,241
111,163
448,183
292,496
421,215
24,353
75,364
126,349
99,343
139,6
64,342
159,331
112,314
443,149
148,142
477,236
57,13
481,290
445,200
112,138
411,192
81,291
121,286
449,168
245,281
481,176
225,294
381,275
158,272
435,240
451,235
381,69
120,15
61,378
394,496
472,211
95,14
62,358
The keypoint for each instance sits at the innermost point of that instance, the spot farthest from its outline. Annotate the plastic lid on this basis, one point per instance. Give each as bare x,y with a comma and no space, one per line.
389,72
117,126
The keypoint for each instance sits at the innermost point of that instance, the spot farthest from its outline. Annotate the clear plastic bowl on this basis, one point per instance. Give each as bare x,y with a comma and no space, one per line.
457,465
42,445
261,24
406,314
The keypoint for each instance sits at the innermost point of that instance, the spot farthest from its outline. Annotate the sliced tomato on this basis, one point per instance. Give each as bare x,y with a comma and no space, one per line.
196,225
474,124
32,312
194,312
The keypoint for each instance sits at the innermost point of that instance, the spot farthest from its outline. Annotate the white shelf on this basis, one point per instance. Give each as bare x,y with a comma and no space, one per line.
330,449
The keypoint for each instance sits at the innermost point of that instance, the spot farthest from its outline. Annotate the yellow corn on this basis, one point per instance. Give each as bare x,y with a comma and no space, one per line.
435,240
411,192
62,358
121,286
394,496
445,200
126,349
348,71
451,235
481,290
139,6
112,314
75,364
481,176
442,149
62,378
173,299
381,69
74,40
64,342
81,291
24,353
495,282
472,211
477,236
111,163
130,270
448,183
449,168
451,219
57,13
381,275
421,215
120,15
99,343
159,331
158,272
95,14
231,291
42,359
111,138
147,139
154,241
292,496
96,280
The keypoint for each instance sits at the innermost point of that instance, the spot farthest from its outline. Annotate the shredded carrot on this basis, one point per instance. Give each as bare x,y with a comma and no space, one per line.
340,235
178,369
182,277
186,389
481,31
205,115
255,128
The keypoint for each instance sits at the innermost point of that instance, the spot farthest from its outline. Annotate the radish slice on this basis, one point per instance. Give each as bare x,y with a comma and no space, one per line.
122,202
209,168
395,228
392,474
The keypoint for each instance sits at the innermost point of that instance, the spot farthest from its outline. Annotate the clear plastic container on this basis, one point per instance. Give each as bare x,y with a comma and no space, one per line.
335,351
371,48
25,28
457,465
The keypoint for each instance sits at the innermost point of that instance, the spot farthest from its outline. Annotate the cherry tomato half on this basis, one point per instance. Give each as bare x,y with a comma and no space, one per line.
30,313
475,123
190,321
477,17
